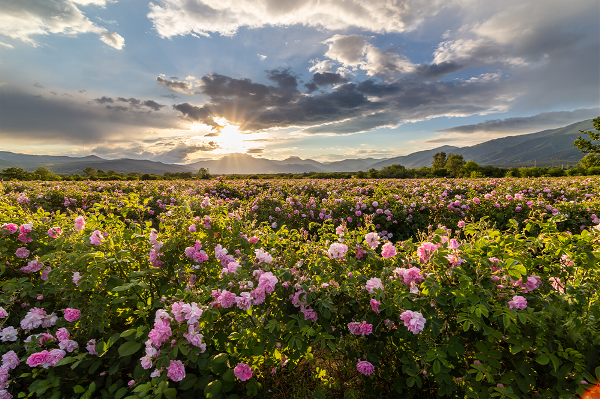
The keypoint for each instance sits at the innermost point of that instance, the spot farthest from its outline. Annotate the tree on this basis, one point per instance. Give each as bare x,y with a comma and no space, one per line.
203,174
43,173
586,146
454,163
15,174
89,171
590,160
439,160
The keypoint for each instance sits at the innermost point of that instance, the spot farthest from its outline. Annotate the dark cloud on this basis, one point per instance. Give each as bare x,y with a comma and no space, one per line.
64,120
104,100
321,79
39,86
175,85
255,151
348,108
135,103
173,96
180,152
117,108
428,71
546,119
153,105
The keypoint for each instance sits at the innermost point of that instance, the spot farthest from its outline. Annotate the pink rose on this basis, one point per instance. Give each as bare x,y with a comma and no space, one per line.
414,321
79,223
9,228
39,359
54,232
96,238
365,368
518,302
22,252
72,314
374,284
242,371
388,250
176,370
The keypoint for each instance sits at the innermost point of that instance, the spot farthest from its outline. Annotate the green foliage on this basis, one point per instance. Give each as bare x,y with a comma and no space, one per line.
439,160
586,146
472,344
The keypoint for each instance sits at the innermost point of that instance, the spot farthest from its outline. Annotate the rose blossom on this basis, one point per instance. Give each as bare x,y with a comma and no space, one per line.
388,250
72,314
425,251
76,277
79,223
242,371
373,284
518,302
22,252
91,347
414,321
176,370
10,360
96,238
38,358
3,313
337,250
9,334
9,228
267,282
365,368
54,232
62,334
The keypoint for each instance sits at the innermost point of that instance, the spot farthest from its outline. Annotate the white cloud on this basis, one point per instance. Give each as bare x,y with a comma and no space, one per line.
6,45
202,17
356,51
113,39
23,19
262,57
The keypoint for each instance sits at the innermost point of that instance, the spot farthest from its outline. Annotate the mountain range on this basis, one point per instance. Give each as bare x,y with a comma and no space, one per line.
552,147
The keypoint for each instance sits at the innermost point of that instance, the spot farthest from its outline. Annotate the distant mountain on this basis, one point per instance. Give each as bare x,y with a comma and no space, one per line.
545,148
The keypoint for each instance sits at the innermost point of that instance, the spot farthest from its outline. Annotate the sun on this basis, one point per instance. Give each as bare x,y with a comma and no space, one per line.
229,138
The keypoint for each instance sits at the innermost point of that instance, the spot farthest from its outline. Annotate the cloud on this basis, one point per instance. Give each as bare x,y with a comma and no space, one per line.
113,39
262,57
527,124
172,96
255,151
321,79
203,17
6,45
356,51
176,85
349,107
134,103
65,120
23,19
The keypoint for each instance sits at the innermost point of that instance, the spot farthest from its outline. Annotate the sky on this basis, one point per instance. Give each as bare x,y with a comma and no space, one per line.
179,81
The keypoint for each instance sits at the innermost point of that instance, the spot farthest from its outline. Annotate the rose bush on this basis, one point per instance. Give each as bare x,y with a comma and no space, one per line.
111,308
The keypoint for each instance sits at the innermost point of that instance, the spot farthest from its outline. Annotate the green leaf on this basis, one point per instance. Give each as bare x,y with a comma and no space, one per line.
213,389
437,367
543,359
78,389
129,348
170,393
219,363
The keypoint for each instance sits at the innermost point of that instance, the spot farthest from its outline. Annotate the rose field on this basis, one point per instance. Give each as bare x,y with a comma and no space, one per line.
456,288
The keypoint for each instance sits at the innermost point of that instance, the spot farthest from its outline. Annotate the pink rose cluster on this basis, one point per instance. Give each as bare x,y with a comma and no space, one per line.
411,277
360,328
25,229
196,253
36,317
10,361
262,256
45,358
425,251
155,253
414,321
176,370
533,282
32,267
55,232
